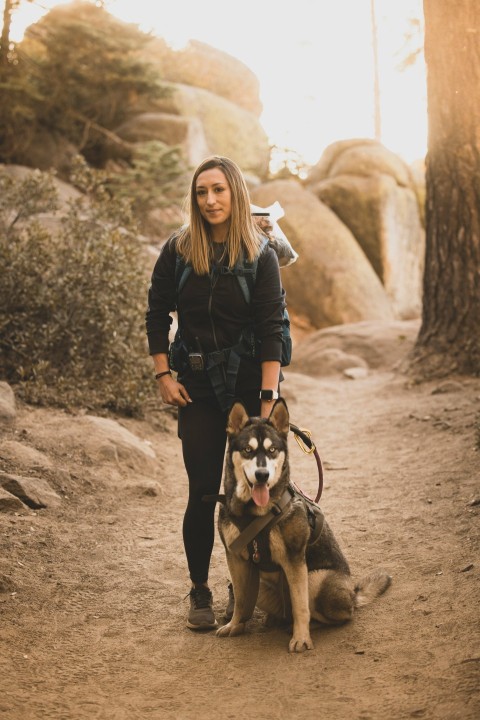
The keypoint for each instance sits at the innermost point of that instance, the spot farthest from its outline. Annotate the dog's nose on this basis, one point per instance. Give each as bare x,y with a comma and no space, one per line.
261,475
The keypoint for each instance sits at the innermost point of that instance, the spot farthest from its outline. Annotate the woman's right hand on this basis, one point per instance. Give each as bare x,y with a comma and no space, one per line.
173,392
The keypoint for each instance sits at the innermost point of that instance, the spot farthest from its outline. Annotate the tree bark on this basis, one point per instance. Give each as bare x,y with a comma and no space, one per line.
5,37
449,338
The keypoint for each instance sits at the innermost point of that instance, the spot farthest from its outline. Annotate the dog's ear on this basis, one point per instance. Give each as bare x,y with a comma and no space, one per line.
279,417
237,418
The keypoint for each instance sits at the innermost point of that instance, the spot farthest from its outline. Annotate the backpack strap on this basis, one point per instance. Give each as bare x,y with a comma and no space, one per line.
182,271
248,279
244,270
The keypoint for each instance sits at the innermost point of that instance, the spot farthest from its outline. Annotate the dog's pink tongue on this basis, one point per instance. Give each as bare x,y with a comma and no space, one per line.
260,494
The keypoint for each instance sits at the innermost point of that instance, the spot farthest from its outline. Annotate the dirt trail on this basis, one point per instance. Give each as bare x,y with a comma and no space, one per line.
95,624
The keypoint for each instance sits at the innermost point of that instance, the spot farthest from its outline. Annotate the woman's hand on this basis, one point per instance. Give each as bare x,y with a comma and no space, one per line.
173,392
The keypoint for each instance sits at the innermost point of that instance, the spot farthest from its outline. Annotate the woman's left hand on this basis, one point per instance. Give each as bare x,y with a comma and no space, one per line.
173,392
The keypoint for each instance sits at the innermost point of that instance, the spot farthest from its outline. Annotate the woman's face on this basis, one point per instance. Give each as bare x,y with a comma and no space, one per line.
214,197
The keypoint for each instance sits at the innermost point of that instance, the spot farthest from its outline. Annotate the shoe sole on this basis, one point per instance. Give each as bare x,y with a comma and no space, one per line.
203,626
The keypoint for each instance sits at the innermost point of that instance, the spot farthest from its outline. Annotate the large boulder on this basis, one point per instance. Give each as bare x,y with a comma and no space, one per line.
358,156
229,129
418,172
10,503
102,442
374,193
169,129
35,492
379,345
332,282
20,455
203,66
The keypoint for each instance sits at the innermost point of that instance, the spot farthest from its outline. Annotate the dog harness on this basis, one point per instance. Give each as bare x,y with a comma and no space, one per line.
259,547
257,533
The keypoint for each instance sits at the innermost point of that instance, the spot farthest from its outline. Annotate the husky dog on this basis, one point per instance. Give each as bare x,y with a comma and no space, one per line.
281,553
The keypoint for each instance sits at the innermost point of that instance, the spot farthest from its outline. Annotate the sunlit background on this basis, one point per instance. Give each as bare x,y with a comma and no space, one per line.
314,60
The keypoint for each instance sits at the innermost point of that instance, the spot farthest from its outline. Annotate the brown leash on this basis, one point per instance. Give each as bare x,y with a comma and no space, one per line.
306,444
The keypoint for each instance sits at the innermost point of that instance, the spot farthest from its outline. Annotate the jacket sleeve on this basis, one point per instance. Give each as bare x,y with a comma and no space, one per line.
268,303
161,300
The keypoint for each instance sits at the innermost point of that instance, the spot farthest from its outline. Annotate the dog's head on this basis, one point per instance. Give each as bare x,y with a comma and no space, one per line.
258,453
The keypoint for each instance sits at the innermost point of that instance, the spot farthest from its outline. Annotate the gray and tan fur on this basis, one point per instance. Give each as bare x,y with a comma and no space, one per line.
314,580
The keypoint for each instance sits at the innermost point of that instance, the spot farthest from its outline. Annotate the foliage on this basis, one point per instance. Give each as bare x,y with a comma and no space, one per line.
78,72
18,109
287,164
156,177
72,304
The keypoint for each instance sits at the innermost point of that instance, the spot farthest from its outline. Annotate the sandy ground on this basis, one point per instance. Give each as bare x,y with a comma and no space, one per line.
92,613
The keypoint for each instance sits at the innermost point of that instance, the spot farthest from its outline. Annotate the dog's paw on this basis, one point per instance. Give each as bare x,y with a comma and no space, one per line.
230,630
300,644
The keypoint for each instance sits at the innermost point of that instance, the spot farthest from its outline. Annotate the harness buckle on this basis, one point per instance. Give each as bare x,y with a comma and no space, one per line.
216,358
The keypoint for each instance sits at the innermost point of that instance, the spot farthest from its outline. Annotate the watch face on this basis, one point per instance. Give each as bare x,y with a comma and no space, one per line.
268,395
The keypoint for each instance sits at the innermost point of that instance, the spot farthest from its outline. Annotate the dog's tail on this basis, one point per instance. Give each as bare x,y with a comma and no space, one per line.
371,586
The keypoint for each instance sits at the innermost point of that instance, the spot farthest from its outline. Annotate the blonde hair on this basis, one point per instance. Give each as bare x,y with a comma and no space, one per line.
194,242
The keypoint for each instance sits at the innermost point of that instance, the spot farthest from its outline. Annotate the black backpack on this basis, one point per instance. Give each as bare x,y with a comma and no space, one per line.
247,345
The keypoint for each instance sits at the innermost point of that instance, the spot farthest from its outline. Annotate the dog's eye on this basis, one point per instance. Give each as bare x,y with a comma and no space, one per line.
247,449
272,449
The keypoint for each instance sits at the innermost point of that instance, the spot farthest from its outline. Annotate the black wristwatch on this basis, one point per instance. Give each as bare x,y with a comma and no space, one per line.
269,395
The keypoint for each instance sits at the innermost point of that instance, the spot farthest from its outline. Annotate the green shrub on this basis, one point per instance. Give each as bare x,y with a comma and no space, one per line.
79,73
72,304
156,177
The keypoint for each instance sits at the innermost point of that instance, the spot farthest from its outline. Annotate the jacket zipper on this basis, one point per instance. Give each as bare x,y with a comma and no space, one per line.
213,282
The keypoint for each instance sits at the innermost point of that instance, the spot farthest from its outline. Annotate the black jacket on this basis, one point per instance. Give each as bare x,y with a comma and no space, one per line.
213,309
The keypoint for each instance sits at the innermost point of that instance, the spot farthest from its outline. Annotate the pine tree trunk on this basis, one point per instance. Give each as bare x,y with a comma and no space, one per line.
5,37
449,339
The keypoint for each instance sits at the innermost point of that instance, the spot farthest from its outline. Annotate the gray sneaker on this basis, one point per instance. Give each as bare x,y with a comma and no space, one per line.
201,616
230,604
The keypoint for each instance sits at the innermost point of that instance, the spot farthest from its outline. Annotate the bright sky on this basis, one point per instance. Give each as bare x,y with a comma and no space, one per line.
313,59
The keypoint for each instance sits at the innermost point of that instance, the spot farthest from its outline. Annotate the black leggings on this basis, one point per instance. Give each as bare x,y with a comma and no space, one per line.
202,428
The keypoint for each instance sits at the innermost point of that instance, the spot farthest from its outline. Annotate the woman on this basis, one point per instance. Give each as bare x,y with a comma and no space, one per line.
212,315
